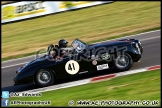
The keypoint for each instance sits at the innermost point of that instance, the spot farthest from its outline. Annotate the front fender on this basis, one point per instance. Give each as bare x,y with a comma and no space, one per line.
135,55
26,75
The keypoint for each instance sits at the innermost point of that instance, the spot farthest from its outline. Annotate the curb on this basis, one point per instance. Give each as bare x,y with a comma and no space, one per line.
103,77
154,67
110,76
91,80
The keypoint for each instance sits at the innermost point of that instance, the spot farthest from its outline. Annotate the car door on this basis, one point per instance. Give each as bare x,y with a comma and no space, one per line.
99,61
70,66
97,65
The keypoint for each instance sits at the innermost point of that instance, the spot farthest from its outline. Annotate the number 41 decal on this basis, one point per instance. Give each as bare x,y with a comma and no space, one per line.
72,67
69,67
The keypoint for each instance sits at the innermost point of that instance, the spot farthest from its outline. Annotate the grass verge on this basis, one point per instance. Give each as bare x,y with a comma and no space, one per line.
139,86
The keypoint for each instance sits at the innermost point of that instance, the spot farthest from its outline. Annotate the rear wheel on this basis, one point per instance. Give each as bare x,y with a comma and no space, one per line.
44,77
123,62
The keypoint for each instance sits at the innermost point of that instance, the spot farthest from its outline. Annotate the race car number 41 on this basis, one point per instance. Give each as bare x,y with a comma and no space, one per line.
103,66
72,67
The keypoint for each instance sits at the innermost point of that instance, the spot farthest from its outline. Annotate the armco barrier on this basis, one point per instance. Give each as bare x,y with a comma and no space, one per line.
29,9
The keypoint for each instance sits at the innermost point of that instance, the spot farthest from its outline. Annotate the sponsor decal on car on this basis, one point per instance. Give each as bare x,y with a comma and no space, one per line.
102,67
105,56
72,67
94,62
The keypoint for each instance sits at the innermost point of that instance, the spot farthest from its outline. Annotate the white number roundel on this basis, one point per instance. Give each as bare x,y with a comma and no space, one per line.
72,67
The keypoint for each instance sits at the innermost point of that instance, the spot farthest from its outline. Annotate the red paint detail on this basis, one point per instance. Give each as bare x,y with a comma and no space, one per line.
103,77
154,67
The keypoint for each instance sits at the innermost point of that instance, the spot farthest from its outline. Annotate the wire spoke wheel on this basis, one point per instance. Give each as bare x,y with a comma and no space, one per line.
122,61
44,77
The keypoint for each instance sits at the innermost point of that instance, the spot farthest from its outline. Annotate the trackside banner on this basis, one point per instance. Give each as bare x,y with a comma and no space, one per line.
28,9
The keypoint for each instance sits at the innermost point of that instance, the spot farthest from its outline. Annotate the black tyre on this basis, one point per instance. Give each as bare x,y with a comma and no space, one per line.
44,77
123,62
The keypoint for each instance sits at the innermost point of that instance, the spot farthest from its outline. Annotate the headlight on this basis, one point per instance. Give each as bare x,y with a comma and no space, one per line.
138,41
134,44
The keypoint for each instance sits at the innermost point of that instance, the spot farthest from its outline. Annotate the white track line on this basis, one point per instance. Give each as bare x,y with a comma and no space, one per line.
96,42
150,38
18,59
14,65
59,86
130,36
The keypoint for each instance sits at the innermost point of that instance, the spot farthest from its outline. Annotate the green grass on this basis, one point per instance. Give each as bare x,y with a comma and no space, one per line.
139,86
89,24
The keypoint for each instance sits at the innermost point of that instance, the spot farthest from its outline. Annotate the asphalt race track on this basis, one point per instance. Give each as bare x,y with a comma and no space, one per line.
151,56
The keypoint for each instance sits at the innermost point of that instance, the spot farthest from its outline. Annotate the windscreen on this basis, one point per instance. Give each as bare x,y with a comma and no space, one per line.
78,45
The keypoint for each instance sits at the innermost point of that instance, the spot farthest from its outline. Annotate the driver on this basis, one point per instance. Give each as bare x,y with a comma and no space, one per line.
60,50
63,50
62,47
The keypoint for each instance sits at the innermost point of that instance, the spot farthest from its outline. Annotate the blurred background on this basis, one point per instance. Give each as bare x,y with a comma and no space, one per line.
91,24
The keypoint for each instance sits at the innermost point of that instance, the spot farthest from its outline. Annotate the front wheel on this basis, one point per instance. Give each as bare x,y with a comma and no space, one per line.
44,78
123,62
